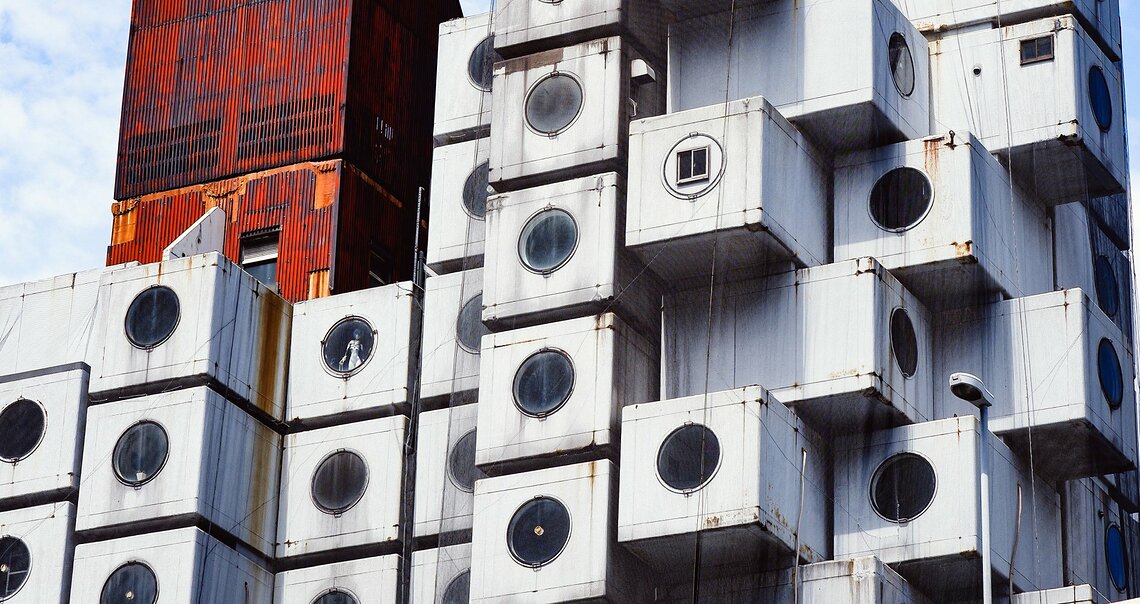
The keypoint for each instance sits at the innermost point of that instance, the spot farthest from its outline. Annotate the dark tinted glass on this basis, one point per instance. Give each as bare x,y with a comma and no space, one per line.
152,317
21,428
688,457
131,583
469,328
538,531
475,191
904,343
553,104
1115,555
1037,49
336,596
461,463
265,272
339,482
903,487
543,382
140,453
900,199
459,590
1111,378
15,560
1100,98
902,64
1107,292
348,345
548,240
481,64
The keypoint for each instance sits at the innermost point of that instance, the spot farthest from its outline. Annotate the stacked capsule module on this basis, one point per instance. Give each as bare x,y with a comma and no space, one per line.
300,120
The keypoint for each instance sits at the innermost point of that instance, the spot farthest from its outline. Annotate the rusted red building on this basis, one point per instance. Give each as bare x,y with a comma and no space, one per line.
307,121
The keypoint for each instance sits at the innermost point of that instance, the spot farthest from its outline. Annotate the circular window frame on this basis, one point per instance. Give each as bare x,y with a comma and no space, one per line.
574,120
878,473
470,55
451,473
891,340
133,562
333,590
466,571
458,323
1123,557
569,532
467,210
345,375
1113,403
921,218
27,573
1103,266
173,328
708,480
565,399
363,490
135,484
713,181
527,229
1094,68
39,441
913,73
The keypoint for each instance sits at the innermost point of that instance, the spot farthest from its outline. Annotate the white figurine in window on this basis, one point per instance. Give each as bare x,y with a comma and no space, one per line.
351,359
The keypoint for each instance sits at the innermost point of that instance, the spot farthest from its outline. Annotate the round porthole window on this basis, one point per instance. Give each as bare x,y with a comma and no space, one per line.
335,596
15,561
900,199
553,103
458,590
152,317
1107,292
1100,98
1116,557
548,240
1111,376
131,583
140,453
21,429
339,482
469,328
902,64
348,346
475,191
903,487
688,458
543,383
481,64
904,342
538,531
461,463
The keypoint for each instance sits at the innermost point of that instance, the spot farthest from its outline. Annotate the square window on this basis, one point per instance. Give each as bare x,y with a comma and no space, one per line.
259,257
692,165
1036,50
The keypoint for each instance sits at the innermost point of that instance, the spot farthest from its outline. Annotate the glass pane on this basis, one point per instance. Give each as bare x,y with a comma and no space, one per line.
140,453
461,463
21,428
131,583
1107,291
1111,378
700,162
543,383
152,317
469,328
1115,555
459,590
684,165
900,199
548,240
348,345
538,531
339,482
481,64
902,64
688,457
904,342
336,596
553,104
265,272
903,487
1100,98
475,191
15,560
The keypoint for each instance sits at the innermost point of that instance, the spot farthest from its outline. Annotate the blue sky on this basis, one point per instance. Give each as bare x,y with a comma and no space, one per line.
61,79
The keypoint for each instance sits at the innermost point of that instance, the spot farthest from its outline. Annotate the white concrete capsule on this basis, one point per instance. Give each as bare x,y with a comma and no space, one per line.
442,575
1042,94
445,470
554,252
36,549
459,194
941,215
737,179
529,27
852,74
910,496
557,390
453,331
173,459
549,536
1073,594
182,566
341,487
363,581
724,466
188,322
463,79
565,113
42,414
351,355
50,322
1084,256
1097,545
844,344
1061,378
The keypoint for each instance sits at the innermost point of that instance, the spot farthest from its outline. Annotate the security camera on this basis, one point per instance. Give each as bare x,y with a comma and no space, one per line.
970,388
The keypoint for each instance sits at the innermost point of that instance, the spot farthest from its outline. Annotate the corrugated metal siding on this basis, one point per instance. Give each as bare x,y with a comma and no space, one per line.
389,228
